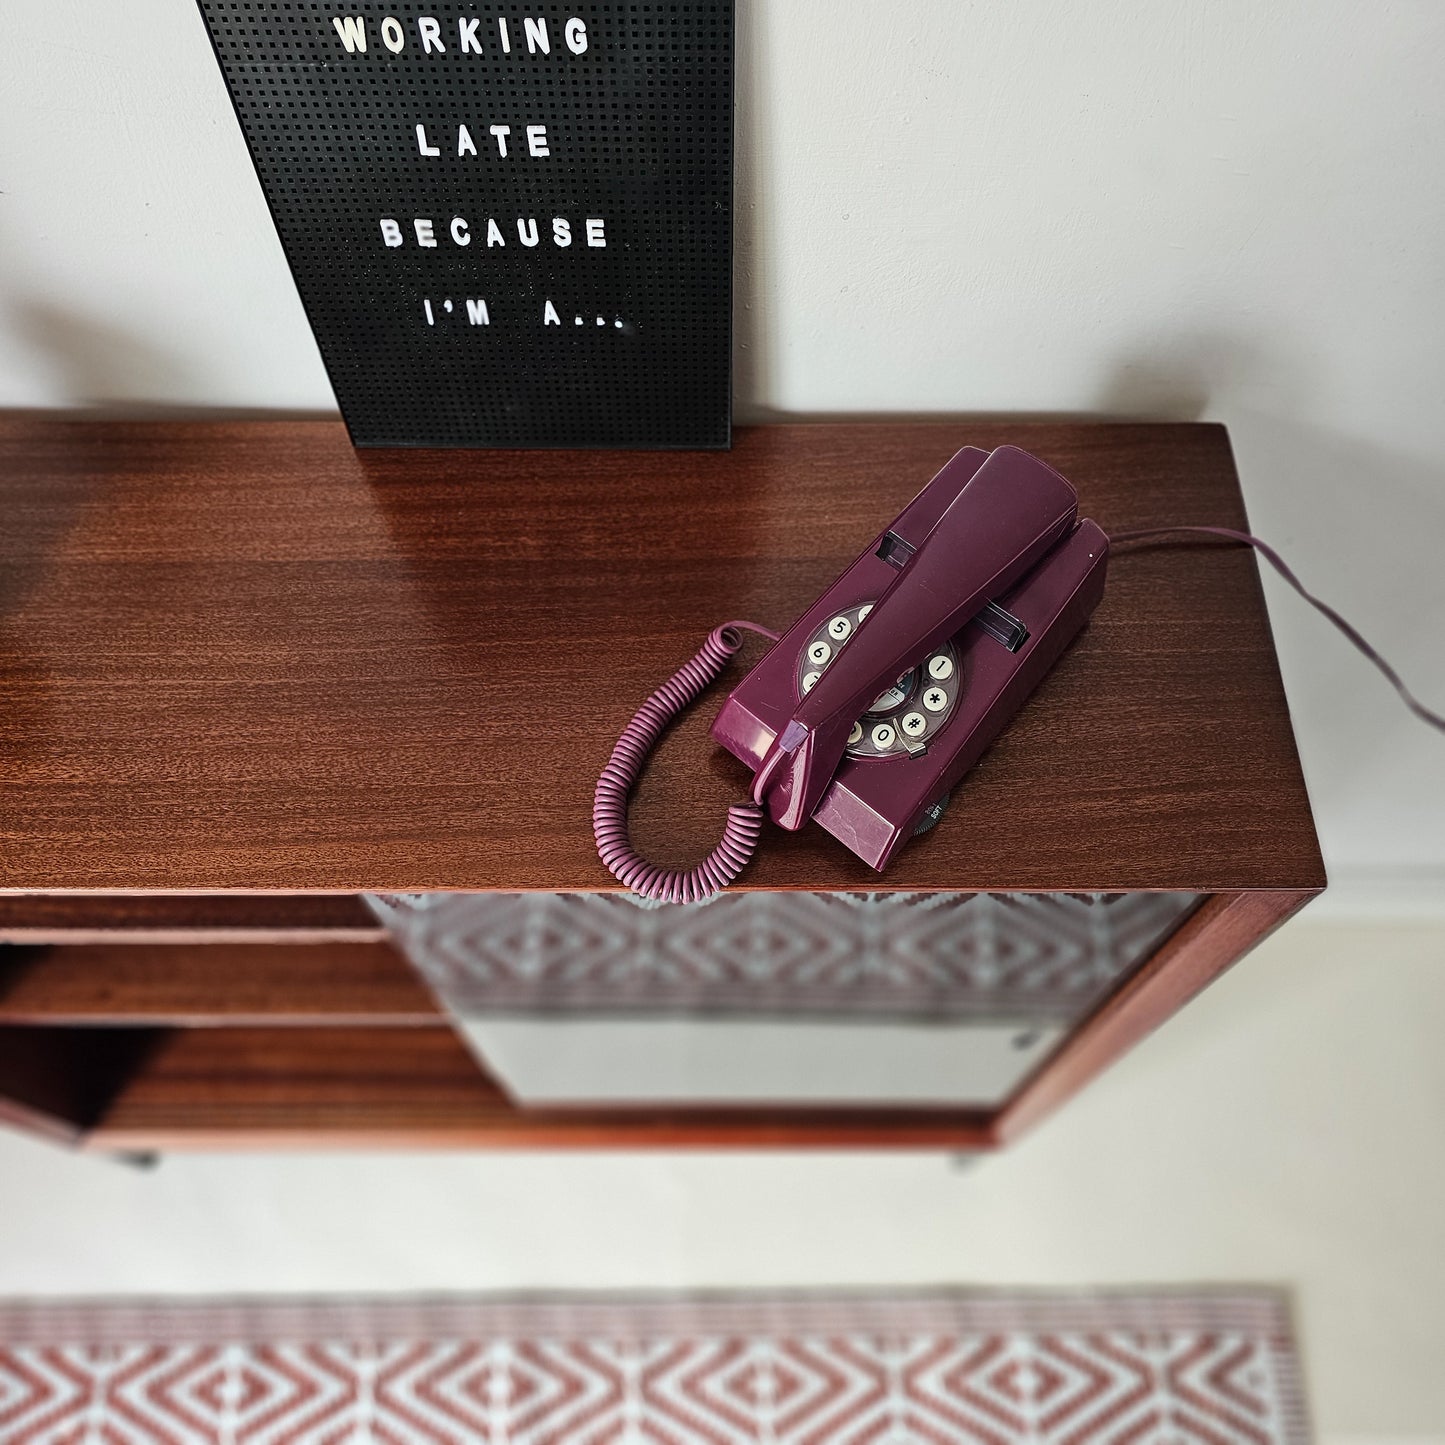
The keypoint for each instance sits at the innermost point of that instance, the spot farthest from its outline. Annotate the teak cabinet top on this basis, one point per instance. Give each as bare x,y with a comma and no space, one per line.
244,656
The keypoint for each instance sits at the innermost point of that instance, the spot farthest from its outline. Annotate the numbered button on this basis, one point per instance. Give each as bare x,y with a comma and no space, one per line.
935,700
914,724
883,736
856,736
809,679
819,653
839,628
864,611
940,668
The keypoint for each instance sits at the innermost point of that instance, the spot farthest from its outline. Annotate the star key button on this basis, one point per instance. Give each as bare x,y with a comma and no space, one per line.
935,699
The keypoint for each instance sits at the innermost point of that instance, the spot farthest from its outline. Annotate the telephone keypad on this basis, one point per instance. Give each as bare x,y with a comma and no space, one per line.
916,716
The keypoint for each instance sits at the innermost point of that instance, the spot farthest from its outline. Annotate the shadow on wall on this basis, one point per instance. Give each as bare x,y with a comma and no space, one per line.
1179,378
103,371
96,365
751,353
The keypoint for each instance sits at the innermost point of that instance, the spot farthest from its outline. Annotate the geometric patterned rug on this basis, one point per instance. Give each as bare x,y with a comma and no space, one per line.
1151,1368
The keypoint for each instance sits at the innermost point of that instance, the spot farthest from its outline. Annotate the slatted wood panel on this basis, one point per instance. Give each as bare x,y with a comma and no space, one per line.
84,918
246,656
213,984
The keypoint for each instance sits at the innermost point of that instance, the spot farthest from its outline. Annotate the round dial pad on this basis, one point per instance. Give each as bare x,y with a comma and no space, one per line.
906,716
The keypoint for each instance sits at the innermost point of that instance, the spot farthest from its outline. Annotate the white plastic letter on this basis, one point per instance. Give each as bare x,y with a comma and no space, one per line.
467,36
391,35
501,132
461,233
391,232
527,231
549,315
352,30
537,140
430,30
422,146
596,236
576,36
466,146
537,36
561,231
425,236
477,313
494,235
506,38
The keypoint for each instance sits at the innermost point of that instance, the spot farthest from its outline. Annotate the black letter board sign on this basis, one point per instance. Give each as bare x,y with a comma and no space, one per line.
510,224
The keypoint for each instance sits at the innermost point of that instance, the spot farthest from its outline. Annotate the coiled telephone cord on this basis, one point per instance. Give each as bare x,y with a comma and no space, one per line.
745,820
609,804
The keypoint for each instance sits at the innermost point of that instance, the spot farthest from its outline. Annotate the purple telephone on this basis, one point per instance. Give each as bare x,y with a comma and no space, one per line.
872,706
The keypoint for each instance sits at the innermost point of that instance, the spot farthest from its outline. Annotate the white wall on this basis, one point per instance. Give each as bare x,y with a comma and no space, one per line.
1226,210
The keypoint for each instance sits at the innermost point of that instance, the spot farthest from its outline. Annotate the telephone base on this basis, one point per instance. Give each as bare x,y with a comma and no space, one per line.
874,806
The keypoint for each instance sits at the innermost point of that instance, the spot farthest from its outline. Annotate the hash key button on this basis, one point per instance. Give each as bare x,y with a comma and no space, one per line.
914,723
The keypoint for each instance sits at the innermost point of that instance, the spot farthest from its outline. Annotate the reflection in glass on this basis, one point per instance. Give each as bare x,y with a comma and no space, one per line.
846,997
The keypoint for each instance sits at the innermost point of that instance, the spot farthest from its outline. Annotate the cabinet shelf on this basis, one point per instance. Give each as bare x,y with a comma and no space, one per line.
248,674
213,985
186,918
246,657
269,1088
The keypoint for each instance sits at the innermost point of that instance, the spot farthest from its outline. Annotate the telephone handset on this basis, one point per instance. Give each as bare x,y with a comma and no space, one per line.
870,708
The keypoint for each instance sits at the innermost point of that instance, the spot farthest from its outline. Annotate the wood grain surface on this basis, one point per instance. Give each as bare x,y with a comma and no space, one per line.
213,984
242,656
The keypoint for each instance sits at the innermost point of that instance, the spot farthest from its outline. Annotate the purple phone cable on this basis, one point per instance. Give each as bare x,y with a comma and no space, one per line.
609,804
745,820
1425,714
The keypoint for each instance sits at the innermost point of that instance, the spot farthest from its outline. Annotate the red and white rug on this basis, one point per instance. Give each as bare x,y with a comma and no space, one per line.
1156,1369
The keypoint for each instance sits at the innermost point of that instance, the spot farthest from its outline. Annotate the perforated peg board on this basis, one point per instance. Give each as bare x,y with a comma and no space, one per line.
634,102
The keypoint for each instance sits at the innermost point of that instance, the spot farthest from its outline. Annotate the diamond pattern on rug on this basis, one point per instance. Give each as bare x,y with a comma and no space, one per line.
1176,1369
1047,956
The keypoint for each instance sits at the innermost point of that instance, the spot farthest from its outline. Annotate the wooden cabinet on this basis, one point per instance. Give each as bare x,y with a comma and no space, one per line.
248,674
